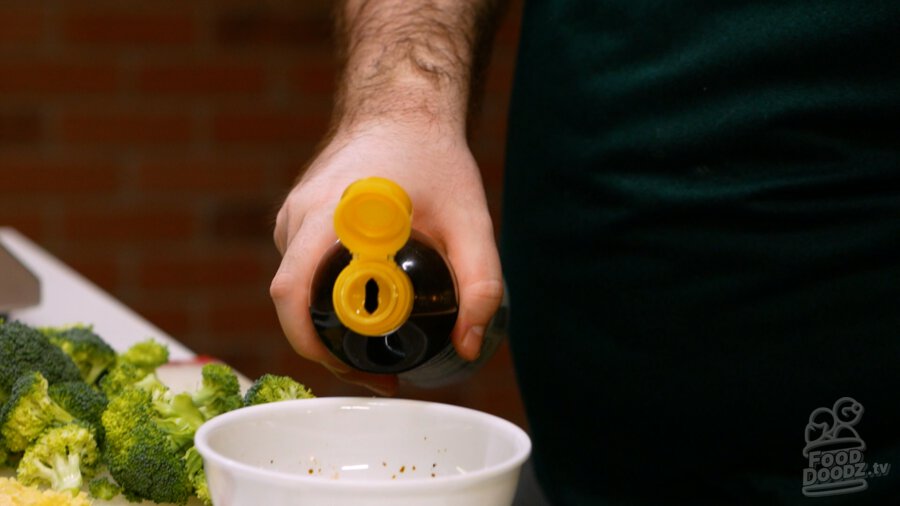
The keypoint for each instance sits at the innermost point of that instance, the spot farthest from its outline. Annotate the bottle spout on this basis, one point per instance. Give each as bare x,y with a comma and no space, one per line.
372,296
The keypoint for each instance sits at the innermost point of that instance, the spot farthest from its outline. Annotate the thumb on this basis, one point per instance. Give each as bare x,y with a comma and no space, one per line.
477,266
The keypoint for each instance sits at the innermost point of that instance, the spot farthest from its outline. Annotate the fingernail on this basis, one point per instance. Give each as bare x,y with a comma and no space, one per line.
474,339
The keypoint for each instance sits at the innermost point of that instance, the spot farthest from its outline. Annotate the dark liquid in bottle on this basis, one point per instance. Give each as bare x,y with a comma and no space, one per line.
425,333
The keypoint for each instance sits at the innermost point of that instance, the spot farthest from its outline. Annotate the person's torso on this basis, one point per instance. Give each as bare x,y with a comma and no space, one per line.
712,189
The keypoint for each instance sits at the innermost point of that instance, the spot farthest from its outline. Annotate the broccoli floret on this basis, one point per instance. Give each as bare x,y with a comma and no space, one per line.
29,411
194,465
139,453
8,458
121,376
60,458
89,351
103,488
81,401
133,366
220,391
24,349
147,354
150,427
151,383
271,388
177,415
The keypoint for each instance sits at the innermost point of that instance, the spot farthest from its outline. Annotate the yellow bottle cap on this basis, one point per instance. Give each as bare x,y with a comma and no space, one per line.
373,217
372,296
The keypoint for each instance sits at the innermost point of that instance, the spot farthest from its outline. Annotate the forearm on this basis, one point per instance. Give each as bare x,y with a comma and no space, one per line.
411,61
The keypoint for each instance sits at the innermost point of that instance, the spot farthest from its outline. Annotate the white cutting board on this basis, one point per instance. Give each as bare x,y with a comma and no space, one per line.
180,377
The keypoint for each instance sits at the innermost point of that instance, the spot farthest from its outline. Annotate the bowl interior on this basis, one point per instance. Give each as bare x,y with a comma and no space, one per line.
358,439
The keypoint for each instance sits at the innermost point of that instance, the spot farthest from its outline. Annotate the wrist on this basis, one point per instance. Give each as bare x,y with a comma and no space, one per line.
406,62
405,105
409,131
403,96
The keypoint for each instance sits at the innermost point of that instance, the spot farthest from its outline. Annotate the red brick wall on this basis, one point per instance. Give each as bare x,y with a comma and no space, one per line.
149,144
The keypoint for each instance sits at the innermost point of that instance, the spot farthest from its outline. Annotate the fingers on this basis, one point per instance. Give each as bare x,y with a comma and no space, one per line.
473,253
290,294
302,247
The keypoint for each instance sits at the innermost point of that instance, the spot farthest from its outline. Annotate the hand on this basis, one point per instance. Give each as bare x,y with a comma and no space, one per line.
437,170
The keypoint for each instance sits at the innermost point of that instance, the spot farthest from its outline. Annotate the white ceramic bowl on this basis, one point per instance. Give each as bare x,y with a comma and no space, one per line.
361,451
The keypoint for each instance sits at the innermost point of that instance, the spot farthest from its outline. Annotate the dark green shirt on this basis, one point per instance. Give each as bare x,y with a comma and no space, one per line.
702,244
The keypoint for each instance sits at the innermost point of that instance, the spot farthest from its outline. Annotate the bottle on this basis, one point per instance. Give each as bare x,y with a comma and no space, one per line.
384,299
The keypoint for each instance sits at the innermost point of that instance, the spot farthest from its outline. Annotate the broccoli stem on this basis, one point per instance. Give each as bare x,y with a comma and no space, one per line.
96,370
58,414
63,473
178,416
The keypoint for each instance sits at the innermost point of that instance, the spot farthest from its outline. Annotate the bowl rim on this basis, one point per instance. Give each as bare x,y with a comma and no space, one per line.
521,441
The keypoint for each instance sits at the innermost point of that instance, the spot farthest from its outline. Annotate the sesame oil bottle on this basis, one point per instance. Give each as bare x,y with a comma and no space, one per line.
384,298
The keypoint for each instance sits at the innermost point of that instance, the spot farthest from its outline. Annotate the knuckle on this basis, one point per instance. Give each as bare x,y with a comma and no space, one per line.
487,290
281,287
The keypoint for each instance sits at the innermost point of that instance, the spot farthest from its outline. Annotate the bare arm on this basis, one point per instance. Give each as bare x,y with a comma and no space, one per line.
400,113
411,61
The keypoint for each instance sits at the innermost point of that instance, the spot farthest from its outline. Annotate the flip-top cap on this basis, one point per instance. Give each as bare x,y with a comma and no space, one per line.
373,217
